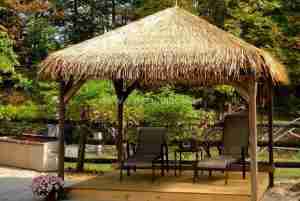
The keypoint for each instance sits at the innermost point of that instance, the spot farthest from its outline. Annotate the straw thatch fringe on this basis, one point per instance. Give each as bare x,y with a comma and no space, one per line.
172,46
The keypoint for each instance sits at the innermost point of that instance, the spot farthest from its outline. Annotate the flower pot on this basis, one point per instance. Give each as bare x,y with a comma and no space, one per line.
52,196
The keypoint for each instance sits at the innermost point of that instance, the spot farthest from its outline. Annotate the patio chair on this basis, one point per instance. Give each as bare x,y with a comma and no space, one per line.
234,149
151,149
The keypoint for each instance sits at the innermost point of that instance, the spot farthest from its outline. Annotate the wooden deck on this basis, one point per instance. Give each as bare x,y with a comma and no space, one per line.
138,187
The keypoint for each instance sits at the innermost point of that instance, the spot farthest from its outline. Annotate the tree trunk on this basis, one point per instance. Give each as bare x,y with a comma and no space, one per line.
84,115
81,150
113,13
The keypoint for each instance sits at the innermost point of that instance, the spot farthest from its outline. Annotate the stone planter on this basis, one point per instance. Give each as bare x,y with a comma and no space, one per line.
29,152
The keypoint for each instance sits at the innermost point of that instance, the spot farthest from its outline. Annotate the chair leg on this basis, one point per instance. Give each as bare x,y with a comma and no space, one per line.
180,165
121,173
226,177
244,171
210,173
167,159
162,168
153,172
195,175
168,166
175,163
128,171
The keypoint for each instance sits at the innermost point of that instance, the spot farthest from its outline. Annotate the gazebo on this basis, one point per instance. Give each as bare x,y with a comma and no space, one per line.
170,47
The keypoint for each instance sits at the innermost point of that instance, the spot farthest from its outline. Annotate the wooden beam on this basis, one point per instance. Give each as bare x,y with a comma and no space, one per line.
61,148
253,139
270,131
242,90
72,90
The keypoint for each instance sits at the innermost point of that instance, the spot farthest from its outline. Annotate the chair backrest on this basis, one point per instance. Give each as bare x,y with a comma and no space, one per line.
236,134
150,139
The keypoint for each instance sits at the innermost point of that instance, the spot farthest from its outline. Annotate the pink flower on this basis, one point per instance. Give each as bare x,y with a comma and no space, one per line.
44,184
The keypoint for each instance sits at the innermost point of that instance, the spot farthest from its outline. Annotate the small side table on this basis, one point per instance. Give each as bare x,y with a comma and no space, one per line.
181,150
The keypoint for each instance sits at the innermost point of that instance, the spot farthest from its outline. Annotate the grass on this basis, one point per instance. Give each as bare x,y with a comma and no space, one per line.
91,167
287,173
287,156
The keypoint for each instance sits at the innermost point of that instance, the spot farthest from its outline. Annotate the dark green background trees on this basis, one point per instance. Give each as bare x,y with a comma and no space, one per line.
31,29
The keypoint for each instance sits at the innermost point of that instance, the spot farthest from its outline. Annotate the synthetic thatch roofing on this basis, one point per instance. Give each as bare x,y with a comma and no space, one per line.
172,46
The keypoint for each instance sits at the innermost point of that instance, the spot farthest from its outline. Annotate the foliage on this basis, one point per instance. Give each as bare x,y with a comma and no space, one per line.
27,5
169,108
28,110
8,58
270,24
160,108
86,19
8,62
40,38
174,111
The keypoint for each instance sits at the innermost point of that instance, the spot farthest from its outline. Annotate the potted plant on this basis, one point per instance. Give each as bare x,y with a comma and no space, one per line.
47,188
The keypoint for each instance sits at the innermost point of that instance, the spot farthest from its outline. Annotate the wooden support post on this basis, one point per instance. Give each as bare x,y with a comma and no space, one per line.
253,139
270,130
120,129
122,93
61,149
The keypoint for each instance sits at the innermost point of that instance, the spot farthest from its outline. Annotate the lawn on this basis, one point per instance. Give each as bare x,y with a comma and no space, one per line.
90,167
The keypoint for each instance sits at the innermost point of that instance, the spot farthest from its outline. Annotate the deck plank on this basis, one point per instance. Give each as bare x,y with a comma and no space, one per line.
133,188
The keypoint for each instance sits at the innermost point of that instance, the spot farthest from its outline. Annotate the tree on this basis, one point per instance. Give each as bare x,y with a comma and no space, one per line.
8,58
213,10
86,19
39,39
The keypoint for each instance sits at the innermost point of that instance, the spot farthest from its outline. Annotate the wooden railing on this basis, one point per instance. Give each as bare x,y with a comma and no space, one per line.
208,144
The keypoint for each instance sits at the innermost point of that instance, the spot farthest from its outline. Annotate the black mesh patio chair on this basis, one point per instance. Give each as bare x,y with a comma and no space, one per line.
151,150
234,149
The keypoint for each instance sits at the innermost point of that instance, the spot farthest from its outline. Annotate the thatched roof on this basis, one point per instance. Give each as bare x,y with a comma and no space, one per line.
172,46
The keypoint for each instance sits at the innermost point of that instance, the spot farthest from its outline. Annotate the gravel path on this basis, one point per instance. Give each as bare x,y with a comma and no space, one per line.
15,186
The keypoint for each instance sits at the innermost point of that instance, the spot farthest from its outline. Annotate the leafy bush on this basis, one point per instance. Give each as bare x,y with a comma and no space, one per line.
8,58
29,110
170,110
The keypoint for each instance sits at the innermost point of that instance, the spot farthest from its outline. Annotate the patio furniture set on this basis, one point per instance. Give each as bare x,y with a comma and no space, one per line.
151,150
